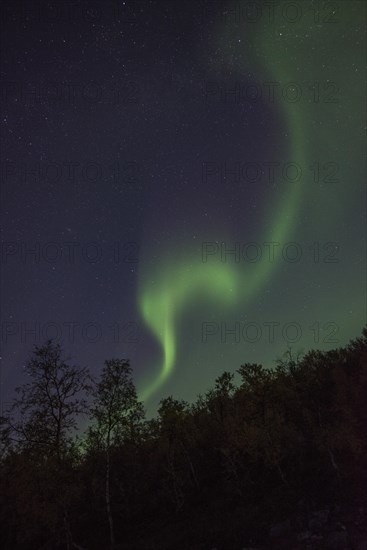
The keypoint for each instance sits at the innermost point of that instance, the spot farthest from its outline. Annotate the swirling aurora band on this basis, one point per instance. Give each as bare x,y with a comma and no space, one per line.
180,283
161,303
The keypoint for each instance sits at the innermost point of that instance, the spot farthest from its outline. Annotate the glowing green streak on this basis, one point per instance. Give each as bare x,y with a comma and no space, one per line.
159,308
160,305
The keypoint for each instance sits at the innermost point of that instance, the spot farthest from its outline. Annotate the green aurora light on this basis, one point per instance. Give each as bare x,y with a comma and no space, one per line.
162,299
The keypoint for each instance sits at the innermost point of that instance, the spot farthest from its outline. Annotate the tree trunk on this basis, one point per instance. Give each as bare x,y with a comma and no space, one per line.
68,538
193,473
108,498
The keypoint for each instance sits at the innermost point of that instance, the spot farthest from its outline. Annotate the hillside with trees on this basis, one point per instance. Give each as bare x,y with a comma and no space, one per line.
276,460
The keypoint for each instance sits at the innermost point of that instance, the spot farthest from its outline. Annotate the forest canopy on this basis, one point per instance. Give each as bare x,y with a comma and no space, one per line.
247,463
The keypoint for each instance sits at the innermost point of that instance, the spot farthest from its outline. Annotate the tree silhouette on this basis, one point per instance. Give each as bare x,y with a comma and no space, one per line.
46,411
116,415
41,421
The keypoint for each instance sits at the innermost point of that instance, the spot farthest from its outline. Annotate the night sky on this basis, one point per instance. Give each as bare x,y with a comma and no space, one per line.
182,184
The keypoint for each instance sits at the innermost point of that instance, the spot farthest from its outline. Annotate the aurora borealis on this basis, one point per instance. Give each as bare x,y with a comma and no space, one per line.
282,57
297,71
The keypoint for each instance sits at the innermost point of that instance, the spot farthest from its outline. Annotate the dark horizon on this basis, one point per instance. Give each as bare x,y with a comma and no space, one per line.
276,460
